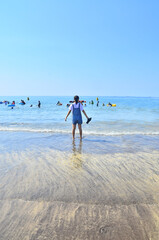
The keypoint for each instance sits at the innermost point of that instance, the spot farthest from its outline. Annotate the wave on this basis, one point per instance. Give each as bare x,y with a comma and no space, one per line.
68,131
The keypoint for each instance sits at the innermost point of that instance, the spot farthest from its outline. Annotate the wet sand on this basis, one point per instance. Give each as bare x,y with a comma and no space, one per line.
52,194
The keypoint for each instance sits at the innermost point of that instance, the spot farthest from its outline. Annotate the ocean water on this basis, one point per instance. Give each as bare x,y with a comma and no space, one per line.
133,125
131,116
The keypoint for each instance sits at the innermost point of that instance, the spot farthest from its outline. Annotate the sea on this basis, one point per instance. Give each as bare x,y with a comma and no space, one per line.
134,120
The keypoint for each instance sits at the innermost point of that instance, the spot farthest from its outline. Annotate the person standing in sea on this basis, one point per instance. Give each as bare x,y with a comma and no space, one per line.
39,104
76,108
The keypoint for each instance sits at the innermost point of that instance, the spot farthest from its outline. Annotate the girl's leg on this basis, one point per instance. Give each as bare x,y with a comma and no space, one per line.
80,130
73,130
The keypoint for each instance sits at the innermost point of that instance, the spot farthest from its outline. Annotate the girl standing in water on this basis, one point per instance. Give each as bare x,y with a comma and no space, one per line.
76,109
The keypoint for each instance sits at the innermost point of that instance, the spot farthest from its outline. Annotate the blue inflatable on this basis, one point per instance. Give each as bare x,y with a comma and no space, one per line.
11,105
1,102
22,103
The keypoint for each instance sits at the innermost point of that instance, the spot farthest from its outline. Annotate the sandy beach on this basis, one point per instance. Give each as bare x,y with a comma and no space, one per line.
47,193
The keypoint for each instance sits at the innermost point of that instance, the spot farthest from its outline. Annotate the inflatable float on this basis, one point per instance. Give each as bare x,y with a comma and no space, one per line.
11,105
113,105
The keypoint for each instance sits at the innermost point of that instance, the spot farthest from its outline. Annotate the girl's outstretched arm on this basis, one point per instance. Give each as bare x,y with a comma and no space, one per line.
67,115
85,114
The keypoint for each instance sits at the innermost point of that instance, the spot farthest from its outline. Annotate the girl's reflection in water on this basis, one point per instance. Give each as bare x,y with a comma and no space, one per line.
77,154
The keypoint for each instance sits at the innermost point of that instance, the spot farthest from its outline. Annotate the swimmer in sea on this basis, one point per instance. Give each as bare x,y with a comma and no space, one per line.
110,104
58,103
39,104
22,101
76,109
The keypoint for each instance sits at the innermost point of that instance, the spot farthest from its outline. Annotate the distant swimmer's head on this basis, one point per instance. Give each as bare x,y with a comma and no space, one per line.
76,98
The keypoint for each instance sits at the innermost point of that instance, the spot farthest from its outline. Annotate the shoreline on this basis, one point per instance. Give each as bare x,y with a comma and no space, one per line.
90,143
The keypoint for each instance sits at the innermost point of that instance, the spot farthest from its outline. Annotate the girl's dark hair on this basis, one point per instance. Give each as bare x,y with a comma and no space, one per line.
76,98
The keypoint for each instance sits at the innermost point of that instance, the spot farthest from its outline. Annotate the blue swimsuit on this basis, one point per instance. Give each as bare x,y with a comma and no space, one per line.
76,115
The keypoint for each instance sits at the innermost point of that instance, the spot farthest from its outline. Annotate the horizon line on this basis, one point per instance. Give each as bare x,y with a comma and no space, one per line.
79,95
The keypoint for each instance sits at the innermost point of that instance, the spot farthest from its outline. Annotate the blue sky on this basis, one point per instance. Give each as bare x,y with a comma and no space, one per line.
84,47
